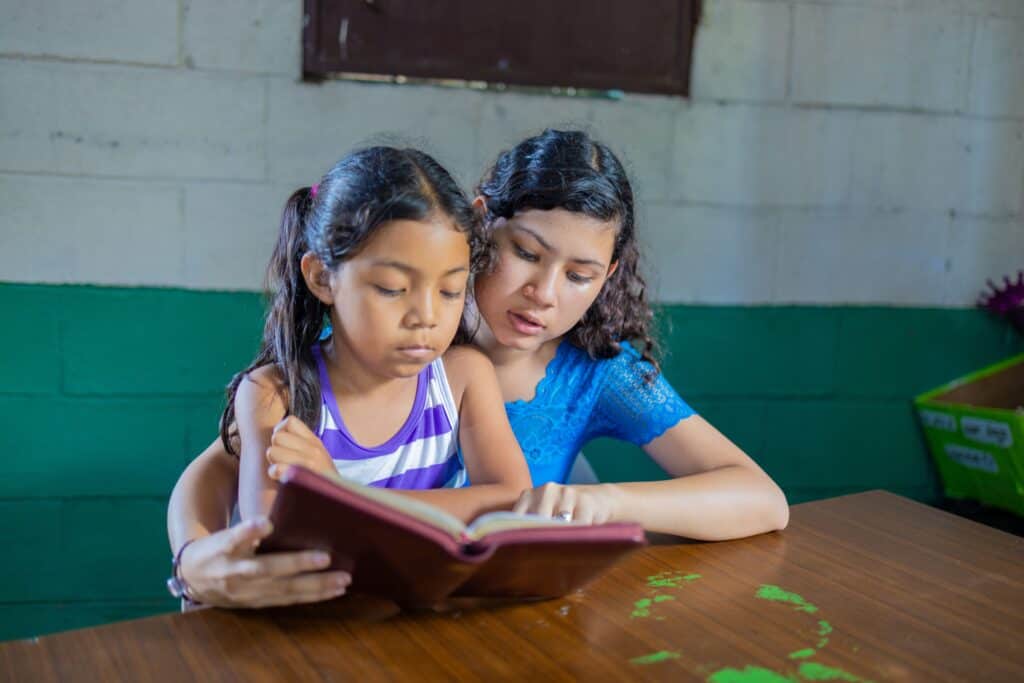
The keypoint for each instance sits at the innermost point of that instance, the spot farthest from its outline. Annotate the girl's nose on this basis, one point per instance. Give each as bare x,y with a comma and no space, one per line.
541,292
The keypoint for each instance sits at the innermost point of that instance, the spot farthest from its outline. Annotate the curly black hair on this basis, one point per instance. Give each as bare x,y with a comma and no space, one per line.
572,171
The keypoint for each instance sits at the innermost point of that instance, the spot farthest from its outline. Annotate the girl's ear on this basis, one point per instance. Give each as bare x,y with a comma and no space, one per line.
612,268
317,277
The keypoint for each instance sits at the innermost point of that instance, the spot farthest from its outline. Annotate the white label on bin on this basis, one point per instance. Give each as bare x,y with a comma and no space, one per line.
935,420
987,431
972,457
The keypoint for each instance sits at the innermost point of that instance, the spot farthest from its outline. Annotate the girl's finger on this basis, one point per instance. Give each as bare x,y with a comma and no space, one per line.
243,538
297,427
302,589
585,510
286,456
549,495
279,565
566,506
522,505
287,439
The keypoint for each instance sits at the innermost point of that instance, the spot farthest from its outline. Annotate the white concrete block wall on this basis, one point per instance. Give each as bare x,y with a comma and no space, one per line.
874,56
833,151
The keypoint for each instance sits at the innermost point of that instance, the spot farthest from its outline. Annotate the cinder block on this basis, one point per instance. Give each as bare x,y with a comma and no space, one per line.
710,255
751,351
863,258
874,56
834,443
166,342
639,130
264,36
120,549
509,118
136,31
982,249
897,353
755,156
313,126
741,51
85,230
906,161
123,121
92,447
34,566
230,231
997,68
29,348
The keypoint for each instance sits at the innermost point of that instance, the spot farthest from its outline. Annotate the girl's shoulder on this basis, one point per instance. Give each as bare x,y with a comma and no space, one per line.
462,364
263,389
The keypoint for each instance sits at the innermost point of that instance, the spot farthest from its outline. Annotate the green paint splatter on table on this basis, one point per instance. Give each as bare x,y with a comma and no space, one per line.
813,671
824,628
662,598
670,579
803,654
776,594
751,674
655,657
641,608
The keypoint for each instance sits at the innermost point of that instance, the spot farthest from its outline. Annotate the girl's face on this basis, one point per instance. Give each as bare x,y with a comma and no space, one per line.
550,267
396,304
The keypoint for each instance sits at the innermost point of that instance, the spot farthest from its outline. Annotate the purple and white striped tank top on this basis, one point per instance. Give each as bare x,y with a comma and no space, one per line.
423,454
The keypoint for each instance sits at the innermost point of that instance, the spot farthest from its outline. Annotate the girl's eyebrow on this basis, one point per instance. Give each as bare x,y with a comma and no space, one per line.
406,268
548,247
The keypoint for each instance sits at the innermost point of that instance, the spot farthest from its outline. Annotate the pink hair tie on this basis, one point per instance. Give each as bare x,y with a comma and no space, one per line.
313,189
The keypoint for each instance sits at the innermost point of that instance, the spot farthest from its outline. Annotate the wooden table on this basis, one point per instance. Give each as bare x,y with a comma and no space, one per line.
863,587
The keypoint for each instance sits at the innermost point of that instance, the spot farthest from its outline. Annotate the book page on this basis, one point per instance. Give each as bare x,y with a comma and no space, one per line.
424,512
503,521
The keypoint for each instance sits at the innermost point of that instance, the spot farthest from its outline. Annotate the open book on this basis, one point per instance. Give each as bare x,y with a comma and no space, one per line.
412,552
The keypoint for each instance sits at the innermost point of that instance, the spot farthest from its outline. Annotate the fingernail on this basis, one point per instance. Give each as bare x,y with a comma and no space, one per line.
272,471
262,524
321,559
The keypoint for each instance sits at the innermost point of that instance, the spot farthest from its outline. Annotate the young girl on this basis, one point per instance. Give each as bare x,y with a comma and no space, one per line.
556,314
382,248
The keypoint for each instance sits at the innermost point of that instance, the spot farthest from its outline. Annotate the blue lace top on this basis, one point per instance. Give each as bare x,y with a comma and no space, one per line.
580,399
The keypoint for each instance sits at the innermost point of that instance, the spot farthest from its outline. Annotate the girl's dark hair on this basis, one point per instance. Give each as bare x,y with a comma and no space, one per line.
363,191
572,171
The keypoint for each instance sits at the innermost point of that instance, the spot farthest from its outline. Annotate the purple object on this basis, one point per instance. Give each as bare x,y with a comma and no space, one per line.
1006,301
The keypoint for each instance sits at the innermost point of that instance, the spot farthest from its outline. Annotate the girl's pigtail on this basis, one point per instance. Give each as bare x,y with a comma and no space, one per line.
293,325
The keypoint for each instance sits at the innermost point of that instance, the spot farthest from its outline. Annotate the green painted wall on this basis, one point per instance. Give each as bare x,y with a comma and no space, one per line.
106,393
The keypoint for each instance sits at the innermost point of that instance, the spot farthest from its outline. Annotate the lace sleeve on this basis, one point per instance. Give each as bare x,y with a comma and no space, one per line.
632,409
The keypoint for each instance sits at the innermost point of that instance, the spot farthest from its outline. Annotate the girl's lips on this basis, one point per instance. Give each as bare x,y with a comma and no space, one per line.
417,352
523,324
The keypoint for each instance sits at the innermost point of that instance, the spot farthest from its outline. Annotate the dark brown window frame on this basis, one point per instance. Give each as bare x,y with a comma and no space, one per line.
532,43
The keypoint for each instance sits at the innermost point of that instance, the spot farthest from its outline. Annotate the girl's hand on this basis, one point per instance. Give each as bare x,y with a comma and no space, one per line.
222,570
595,504
293,443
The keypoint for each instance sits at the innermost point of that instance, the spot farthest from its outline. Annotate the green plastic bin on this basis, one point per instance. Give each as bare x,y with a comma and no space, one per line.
975,432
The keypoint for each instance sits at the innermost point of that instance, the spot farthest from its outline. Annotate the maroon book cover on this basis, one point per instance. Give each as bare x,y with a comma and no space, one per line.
411,552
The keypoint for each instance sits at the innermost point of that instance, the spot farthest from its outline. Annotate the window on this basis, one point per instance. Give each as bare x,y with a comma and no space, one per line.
596,44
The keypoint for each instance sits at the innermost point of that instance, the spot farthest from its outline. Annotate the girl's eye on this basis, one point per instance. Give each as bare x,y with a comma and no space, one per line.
579,279
452,295
523,254
388,292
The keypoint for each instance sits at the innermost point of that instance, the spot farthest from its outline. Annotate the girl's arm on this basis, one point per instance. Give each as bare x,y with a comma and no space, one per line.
259,406
204,496
219,565
494,462
717,492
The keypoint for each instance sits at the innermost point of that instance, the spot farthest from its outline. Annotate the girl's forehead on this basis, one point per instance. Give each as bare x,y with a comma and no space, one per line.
434,238
564,230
